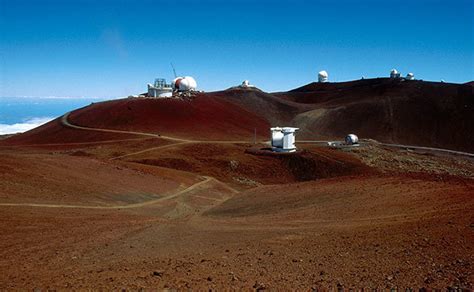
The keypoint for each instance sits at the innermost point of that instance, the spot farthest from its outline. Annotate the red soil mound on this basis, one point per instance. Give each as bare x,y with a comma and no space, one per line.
203,117
350,198
232,163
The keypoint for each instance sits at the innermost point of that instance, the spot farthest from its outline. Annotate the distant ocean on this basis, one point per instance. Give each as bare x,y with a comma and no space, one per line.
20,114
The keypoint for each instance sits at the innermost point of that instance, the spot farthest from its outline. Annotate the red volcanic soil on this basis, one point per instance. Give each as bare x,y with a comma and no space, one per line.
60,179
346,226
377,232
276,110
90,209
203,117
233,163
360,198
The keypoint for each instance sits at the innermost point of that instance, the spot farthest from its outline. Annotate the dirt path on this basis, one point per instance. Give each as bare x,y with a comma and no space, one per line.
412,147
180,141
78,143
446,151
65,122
150,149
136,205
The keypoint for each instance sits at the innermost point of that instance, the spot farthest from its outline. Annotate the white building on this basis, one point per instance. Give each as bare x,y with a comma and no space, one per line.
160,89
184,84
323,76
283,139
394,74
410,76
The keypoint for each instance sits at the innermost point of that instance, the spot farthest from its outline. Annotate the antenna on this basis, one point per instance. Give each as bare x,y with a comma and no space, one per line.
174,71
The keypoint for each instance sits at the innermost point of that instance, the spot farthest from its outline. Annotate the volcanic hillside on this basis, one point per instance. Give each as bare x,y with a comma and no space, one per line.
201,118
394,111
388,110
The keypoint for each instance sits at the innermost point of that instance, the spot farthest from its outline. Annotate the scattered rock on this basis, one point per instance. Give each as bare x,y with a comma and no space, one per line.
209,279
158,273
259,286
428,280
233,164
268,252
297,260
390,278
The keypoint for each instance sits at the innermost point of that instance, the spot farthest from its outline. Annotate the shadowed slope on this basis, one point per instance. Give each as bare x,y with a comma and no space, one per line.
407,112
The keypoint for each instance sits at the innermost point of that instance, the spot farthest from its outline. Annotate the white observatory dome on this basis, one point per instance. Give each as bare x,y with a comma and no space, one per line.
394,73
323,76
186,83
410,76
352,139
245,83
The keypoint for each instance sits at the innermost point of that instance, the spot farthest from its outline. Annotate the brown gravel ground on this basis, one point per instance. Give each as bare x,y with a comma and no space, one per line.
375,229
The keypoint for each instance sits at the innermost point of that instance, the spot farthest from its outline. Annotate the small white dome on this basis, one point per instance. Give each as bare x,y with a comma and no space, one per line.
323,76
410,76
352,139
394,73
245,83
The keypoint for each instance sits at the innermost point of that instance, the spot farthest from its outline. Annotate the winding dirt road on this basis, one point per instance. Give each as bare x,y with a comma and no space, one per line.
65,122
129,206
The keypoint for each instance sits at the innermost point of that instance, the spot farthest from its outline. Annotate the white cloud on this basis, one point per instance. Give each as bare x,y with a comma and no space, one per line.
23,127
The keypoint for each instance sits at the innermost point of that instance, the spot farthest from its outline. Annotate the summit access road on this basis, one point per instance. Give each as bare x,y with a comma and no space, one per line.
173,195
65,122
129,206
179,141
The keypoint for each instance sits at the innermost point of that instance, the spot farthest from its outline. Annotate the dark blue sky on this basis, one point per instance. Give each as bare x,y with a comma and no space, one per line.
113,48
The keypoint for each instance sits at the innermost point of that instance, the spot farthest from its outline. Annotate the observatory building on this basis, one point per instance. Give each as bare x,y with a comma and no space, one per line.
352,139
283,139
394,74
410,76
184,84
323,76
160,89
246,84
